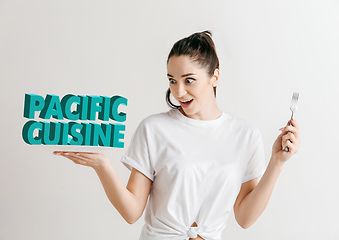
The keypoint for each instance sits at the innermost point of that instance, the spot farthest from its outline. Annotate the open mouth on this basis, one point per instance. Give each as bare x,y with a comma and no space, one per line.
186,103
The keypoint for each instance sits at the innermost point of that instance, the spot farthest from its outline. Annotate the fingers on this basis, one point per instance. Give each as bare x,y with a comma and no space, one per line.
294,123
76,157
292,147
95,160
290,141
81,154
77,160
290,137
293,129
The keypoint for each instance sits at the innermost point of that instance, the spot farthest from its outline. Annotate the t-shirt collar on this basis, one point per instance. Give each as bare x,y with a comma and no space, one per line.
195,122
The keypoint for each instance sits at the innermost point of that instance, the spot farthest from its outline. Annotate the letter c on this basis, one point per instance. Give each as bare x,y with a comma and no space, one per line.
28,130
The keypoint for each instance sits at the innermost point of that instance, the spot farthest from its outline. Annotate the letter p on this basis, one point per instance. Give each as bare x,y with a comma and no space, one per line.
33,103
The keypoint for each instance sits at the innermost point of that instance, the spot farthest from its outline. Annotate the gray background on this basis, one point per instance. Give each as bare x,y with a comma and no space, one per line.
267,50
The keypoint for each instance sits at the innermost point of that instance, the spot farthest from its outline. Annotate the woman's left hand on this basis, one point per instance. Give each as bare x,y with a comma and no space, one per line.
285,139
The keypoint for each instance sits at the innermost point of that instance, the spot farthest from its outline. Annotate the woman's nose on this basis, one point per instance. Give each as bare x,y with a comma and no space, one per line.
181,91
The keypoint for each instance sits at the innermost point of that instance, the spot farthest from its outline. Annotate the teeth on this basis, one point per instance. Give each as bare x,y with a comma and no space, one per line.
185,101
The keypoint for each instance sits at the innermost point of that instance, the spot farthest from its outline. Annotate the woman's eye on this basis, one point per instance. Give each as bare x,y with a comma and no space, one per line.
189,80
172,81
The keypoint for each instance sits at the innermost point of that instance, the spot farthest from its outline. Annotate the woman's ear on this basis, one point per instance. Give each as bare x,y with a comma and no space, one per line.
215,77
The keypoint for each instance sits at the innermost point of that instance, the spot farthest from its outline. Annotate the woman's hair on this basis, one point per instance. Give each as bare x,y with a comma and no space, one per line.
200,48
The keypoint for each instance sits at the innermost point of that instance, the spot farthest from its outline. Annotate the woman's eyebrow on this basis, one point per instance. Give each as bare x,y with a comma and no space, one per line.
185,75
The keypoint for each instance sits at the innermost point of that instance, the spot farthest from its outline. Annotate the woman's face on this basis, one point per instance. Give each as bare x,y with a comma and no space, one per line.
192,87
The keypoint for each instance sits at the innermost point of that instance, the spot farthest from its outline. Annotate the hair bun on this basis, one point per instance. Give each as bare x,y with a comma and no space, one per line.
207,32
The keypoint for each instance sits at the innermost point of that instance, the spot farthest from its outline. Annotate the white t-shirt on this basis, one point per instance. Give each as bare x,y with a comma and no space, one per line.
197,168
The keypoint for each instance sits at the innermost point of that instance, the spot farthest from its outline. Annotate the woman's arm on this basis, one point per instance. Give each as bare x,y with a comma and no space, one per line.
253,198
130,201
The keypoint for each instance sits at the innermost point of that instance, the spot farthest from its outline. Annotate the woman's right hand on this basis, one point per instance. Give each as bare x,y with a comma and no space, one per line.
95,160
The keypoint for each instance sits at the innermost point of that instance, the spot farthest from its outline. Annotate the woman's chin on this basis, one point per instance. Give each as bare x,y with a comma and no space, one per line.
187,112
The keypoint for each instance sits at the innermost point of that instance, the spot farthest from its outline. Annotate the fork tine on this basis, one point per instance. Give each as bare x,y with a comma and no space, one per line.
294,101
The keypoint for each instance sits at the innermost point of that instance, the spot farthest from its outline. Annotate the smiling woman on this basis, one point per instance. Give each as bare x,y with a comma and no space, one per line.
193,163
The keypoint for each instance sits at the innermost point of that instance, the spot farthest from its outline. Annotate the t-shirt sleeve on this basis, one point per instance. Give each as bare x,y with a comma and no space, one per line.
137,155
256,164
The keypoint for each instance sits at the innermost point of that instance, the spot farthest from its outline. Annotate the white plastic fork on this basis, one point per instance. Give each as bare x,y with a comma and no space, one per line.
293,108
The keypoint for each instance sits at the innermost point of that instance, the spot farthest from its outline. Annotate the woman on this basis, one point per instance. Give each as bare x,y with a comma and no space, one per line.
194,162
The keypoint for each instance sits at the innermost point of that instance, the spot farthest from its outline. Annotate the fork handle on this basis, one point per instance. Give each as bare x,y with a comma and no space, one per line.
286,148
